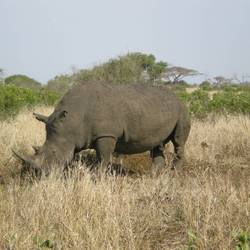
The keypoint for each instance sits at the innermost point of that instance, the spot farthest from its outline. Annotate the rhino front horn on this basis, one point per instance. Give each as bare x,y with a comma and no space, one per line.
41,118
21,157
30,163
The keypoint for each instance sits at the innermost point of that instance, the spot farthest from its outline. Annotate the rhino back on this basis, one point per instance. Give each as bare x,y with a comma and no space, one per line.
138,116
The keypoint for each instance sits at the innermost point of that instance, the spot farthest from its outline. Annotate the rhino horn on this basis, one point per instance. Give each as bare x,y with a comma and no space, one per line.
41,118
25,159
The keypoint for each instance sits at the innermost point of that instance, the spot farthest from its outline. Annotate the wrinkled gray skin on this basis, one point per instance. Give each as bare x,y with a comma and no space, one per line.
123,119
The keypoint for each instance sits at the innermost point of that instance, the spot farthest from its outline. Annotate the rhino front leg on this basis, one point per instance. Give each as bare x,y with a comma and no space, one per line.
105,147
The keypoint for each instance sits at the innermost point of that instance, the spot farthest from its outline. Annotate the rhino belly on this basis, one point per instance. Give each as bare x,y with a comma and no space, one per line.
135,144
131,148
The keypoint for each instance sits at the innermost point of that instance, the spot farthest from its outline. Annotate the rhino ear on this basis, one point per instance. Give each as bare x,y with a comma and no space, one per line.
41,118
62,114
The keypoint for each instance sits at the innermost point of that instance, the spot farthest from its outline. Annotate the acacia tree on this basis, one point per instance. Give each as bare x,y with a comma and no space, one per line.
221,80
176,74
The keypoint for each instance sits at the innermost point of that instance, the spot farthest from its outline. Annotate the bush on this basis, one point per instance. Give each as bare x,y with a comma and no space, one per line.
228,101
12,99
206,85
197,102
231,102
22,81
60,84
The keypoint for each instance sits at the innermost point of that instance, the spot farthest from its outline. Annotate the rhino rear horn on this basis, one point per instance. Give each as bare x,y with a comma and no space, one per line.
41,118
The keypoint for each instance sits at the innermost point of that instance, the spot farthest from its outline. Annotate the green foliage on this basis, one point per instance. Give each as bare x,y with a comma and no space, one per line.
22,81
12,99
143,60
206,85
60,84
42,244
197,102
180,87
1,76
200,103
191,240
243,241
124,69
231,102
156,70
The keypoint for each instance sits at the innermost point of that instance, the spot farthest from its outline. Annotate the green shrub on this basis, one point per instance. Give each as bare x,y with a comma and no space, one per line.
206,85
231,102
180,87
22,81
12,99
227,101
60,84
197,102
243,240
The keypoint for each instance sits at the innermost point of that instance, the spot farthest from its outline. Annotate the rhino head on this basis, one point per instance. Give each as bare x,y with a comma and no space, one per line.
58,148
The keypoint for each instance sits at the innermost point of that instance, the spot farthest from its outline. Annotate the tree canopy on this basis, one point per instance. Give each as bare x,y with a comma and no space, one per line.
22,81
1,75
60,83
176,74
130,68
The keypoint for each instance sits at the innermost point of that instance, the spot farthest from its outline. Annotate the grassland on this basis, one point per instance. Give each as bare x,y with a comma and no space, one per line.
206,205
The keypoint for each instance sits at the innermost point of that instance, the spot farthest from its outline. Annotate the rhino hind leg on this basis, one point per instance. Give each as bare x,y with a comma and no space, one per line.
105,147
179,139
158,158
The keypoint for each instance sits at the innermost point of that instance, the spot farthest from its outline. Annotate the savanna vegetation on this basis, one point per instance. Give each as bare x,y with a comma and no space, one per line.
221,96
205,205
13,99
22,81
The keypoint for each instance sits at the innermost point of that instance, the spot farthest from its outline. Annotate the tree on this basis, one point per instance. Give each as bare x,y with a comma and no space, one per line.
22,81
121,70
206,85
1,75
175,74
221,80
130,68
156,70
60,84
143,60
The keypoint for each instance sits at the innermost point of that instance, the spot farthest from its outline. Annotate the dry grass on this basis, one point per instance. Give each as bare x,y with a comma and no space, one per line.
203,206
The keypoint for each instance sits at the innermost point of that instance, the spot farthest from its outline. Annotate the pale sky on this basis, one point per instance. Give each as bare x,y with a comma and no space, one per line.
44,38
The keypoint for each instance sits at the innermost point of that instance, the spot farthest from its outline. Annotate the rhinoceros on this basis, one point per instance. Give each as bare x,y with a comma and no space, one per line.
126,119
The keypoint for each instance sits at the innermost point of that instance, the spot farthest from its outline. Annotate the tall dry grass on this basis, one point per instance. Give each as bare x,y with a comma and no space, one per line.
203,206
